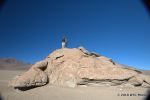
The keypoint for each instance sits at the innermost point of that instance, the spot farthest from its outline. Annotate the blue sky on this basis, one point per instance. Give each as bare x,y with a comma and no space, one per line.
119,29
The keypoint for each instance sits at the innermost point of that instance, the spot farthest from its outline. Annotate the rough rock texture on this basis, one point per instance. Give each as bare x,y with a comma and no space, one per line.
77,66
33,77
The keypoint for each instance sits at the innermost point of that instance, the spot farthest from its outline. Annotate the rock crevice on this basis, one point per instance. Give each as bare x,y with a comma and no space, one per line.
77,66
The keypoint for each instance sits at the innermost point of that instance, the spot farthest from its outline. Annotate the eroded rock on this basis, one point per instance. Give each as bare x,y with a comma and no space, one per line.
32,78
73,67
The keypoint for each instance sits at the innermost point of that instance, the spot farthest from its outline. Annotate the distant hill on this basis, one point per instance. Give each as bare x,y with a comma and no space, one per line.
13,64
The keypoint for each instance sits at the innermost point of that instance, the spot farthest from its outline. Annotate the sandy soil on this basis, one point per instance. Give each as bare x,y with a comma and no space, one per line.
61,93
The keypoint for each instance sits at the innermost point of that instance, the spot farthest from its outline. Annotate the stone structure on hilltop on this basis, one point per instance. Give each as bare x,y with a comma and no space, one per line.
72,67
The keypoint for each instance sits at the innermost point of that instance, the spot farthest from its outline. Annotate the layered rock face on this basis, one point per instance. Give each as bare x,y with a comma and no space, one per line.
73,67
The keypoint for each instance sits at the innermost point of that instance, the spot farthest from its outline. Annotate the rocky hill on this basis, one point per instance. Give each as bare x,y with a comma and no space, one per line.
13,64
72,67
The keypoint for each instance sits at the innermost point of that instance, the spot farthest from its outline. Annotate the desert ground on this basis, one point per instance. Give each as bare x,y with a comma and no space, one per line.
64,93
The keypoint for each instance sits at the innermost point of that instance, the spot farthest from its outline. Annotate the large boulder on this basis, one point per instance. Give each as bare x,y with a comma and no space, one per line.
72,67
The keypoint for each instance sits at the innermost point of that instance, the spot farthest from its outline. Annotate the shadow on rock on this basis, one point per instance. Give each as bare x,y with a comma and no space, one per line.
25,88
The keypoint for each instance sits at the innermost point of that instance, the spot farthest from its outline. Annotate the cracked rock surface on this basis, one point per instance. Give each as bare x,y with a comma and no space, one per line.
72,67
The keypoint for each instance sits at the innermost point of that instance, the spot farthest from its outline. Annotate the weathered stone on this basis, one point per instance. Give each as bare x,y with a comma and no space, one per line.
73,67
136,80
146,85
41,64
127,85
146,79
118,82
84,50
32,78
87,52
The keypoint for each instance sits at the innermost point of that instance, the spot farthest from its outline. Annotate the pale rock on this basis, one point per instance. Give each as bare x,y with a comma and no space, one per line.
32,78
77,66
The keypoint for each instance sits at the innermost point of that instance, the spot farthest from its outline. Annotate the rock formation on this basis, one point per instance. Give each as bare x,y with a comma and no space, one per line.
74,67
